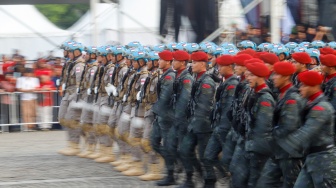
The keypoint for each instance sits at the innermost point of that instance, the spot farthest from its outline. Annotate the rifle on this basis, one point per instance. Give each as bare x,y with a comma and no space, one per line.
121,85
143,89
89,99
112,82
131,84
101,73
81,80
72,64
217,104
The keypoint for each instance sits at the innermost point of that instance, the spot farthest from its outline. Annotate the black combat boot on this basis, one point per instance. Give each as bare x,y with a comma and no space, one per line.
168,180
188,182
209,183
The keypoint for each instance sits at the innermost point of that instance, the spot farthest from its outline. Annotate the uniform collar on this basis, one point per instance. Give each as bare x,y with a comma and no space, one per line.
284,89
314,96
228,76
242,78
164,70
200,74
180,71
260,87
329,77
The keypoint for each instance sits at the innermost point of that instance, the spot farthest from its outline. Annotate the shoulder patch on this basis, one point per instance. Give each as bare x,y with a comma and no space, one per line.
143,81
92,72
230,87
318,108
167,77
206,86
291,101
265,103
187,81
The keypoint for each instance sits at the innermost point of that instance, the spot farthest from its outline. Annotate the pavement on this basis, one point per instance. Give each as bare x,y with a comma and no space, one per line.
30,159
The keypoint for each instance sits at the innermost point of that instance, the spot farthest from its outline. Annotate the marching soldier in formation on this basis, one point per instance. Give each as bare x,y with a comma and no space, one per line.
148,96
162,109
199,127
152,106
285,121
87,84
220,121
72,89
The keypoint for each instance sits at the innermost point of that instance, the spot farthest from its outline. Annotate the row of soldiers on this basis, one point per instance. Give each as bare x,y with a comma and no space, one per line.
240,115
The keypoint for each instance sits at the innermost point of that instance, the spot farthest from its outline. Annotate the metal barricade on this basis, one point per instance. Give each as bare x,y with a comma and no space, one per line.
44,107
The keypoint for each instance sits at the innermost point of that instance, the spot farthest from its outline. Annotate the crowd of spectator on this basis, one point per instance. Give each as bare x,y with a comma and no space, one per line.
35,80
299,33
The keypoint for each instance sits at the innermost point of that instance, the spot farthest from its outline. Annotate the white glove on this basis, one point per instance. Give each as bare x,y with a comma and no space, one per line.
77,90
96,90
124,98
138,97
89,91
58,82
63,86
111,89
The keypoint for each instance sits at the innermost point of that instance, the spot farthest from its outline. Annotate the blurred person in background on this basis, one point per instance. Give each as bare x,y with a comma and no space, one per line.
45,105
28,84
6,85
42,68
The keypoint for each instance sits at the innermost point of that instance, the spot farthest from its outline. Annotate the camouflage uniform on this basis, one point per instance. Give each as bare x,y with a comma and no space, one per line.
65,99
222,125
86,119
181,97
199,128
73,112
287,119
162,108
316,139
121,70
138,113
149,98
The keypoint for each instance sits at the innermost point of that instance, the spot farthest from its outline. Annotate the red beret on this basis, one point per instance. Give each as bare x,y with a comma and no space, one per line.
181,55
225,60
302,57
310,78
284,68
328,60
258,69
269,58
326,50
258,54
199,56
166,55
253,60
240,59
248,51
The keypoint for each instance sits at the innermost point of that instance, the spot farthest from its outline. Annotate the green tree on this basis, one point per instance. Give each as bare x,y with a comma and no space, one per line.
63,15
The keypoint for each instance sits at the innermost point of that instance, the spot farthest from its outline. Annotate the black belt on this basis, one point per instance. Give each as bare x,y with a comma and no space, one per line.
316,149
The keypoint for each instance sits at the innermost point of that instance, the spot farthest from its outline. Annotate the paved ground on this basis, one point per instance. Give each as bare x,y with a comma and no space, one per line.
30,160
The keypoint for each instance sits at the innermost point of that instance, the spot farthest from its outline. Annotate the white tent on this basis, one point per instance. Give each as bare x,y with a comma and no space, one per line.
137,23
24,28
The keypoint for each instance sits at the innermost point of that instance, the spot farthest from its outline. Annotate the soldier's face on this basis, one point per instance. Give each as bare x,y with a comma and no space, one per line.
269,66
197,66
251,78
279,80
239,70
324,69
297,65
93,56
110,57
135,64
65,53
77,53
163,64
177,65
224,70
71,55
128,62
87,57
304,91
100,58
150,65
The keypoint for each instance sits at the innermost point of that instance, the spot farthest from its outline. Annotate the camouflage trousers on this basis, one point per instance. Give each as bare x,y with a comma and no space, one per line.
239,166
187,151
215,146
319,170
280,173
